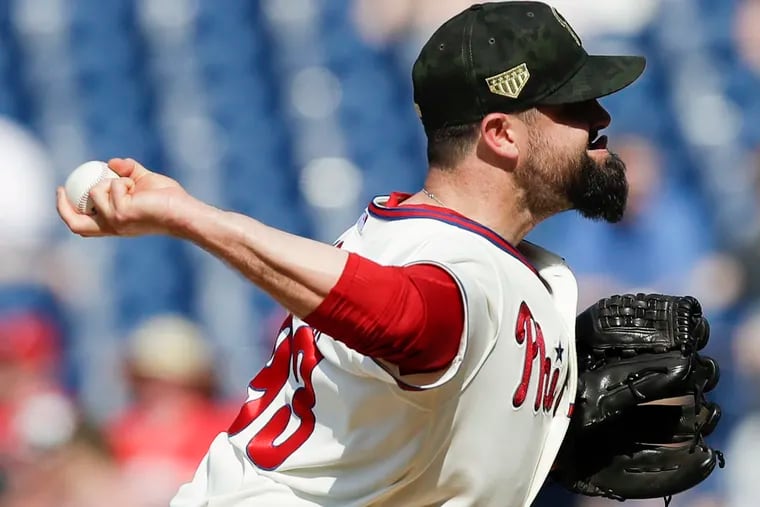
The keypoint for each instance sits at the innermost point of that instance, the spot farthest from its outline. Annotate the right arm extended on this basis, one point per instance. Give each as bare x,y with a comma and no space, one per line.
410,316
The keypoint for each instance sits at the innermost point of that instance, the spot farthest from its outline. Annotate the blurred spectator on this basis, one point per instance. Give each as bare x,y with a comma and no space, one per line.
742,476
382,22
746,34
162,436
48,456
70,466
26,224
748,254
622,17
30,371
408,23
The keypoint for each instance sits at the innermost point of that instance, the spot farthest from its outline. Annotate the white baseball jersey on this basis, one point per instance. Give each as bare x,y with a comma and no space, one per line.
326,425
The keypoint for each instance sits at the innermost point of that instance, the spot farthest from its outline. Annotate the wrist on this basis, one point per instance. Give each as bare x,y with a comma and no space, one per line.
189,217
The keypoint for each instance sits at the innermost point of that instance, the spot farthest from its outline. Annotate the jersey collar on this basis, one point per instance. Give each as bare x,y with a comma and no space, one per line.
391,207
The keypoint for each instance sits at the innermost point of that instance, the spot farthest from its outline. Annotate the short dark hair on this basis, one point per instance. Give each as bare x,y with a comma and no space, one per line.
447,146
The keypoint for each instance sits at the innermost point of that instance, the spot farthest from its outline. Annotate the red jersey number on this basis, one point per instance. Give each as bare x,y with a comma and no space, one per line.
296,353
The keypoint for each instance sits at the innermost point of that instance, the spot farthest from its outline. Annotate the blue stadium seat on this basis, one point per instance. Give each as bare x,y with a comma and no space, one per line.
242,10
718,22
96,12
232,94
391,173
154,275
233,45
9,105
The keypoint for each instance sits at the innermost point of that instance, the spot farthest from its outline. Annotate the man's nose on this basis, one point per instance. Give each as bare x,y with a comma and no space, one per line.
600,118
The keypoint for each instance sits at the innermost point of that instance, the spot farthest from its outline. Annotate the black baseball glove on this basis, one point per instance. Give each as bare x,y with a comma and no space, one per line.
633,350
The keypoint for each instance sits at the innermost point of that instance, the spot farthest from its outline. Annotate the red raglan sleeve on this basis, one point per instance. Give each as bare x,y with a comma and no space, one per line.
411,316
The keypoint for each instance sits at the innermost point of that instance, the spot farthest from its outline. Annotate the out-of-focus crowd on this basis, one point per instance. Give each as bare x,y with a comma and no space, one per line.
120,360
52,453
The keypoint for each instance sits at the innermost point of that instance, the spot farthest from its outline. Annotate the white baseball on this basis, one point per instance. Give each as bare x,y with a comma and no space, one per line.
81,180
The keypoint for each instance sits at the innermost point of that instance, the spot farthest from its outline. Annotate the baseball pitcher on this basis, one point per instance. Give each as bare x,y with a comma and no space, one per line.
431,356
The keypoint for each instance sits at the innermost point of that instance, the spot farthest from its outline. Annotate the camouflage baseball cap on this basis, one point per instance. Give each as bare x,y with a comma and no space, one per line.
509,57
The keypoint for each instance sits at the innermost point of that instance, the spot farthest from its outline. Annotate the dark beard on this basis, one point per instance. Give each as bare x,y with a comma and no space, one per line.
599,191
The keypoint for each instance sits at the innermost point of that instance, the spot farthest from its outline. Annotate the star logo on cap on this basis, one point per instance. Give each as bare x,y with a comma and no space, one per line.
559,350
510,82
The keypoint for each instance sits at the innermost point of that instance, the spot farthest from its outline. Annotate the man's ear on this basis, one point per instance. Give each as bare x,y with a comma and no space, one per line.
499,132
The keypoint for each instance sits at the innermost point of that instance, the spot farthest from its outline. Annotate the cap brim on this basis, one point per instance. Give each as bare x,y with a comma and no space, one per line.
599,76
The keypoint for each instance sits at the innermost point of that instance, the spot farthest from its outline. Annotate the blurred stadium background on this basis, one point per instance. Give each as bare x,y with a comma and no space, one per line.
296,112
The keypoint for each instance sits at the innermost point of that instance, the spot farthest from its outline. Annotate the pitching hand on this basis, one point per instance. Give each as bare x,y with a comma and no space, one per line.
140,202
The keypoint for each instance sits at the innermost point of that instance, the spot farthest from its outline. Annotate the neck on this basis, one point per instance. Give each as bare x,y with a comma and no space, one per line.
488,196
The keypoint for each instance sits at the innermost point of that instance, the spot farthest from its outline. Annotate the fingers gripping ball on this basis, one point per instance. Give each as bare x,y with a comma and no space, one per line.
81,180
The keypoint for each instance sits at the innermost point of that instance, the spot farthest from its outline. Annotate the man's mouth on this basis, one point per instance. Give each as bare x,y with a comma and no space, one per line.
600,143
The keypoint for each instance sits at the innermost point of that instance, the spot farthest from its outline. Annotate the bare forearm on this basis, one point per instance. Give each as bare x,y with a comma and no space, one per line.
296,271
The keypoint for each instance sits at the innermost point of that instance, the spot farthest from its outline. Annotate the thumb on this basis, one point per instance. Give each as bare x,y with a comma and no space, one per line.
128,168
